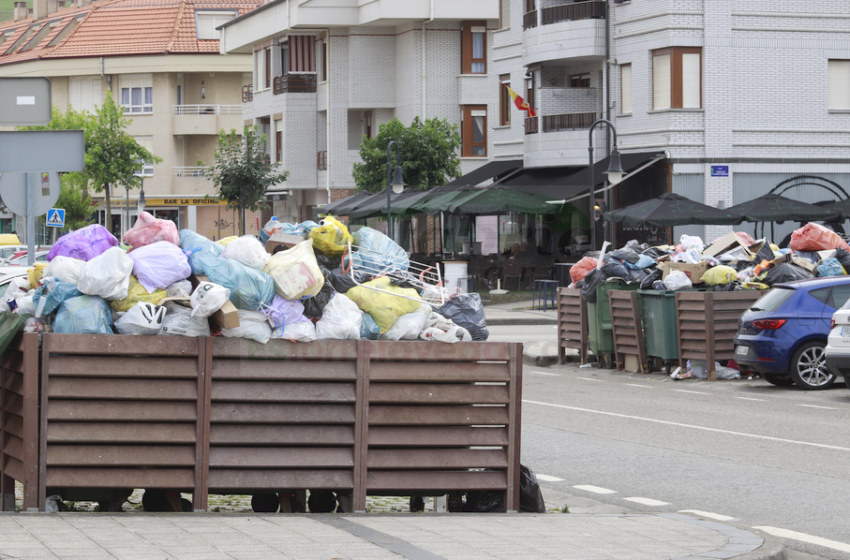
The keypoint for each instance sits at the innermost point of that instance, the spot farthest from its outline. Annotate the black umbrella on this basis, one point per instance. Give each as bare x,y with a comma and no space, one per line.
775,208
842,207
346,205
672,210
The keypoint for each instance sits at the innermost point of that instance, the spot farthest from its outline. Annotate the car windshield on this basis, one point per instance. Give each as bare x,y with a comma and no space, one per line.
773,300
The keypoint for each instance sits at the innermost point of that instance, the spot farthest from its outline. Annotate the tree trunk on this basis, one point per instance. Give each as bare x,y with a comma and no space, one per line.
108,208
240,221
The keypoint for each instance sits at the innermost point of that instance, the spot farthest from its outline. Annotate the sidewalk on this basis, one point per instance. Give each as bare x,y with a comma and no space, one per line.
519,313
139,536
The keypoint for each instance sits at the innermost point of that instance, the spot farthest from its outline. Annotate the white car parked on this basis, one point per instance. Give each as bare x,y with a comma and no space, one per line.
837,351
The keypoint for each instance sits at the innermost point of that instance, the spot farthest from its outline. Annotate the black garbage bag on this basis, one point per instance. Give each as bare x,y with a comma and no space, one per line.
616,270
484,501
327,261
530,496
654,252
743,264
404,279
843,257
638,275
764,254
341,281
659,285
315,306
653,276
633,245
729,287
592,281
467,311
786,272
625,254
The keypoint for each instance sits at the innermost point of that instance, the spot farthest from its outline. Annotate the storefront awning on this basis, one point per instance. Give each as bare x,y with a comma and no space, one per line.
485,173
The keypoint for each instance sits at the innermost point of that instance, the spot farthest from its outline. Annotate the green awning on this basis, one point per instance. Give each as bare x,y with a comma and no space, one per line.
497,200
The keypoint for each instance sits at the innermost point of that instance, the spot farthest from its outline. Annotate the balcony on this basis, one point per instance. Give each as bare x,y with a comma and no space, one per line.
191,181
322,160
189,171
294,83
205,119
247,93
593,9
569,121
574,32
560,139
531,125
529,19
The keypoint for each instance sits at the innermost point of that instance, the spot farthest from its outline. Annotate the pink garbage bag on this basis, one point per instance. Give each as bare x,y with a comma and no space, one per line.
148,229
815,237
745,238
84,244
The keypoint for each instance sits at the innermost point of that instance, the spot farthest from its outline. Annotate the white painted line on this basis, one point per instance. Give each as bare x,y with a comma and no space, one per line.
690,426
547,478
708,514
594,489
749,399
786,534
647,501
590,379
816,406
692,392
544,373
641,386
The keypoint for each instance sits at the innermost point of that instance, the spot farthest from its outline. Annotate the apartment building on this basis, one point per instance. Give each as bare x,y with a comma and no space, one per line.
160,59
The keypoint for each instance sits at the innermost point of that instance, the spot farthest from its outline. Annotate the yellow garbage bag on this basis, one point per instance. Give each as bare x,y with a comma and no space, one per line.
331,237
774,248
384,308
720,275
136,293
225,240
755,286
36,273
295,272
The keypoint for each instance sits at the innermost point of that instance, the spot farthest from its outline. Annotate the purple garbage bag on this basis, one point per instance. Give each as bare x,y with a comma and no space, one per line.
159,265
84,244
284,312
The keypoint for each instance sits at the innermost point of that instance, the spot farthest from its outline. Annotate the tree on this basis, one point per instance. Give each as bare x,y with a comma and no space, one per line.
242,172
429,155
76,203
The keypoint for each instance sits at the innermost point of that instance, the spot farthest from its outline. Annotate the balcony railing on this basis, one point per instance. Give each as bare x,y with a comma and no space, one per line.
569,121
592,9
189,171
206,109
529,20
322,160
247,93
294,83
531,125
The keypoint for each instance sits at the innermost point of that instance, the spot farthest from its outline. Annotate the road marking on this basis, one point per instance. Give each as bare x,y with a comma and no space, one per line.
647,501
708,514
547,478
816,406
590,379
595,489
786,534
641,386
749,399
544,373
690,426
692,392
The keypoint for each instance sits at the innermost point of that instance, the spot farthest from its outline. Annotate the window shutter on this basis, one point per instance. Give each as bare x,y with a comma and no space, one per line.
302,56
626,88
206,27
839,84
661,81
96,95
691,81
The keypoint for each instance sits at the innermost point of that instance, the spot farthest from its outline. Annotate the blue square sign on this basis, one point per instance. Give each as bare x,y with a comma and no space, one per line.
56,217
719,170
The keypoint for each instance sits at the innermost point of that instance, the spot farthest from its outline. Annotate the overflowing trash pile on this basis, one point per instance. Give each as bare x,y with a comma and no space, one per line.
734,262
296,282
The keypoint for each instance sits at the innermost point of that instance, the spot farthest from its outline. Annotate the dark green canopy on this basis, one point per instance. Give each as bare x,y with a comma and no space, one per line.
775,208
842,207
346,205
670,210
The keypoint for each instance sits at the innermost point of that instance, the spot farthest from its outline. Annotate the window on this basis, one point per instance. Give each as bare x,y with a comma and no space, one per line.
147,143
505,100
473,48
41,35
580,80
23,38
840,295
626,88
267,67
529,5
207,21
67,31
284,59
529,90
821,295
137,93
324,61
474,131
839,84
677,78
84,94
278,145
367,121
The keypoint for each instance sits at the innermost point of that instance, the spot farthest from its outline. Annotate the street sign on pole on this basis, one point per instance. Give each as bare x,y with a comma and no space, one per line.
56,217
25,102
36,151
13,191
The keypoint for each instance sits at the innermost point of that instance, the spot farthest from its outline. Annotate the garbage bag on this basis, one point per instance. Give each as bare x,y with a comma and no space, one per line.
272,226
107,275
658,285
745,238
17,288
688,241
86,314
637,275
183,288
148,230
719,275
369,329
178,321
252,325
343,282
50,295
248,250
765,253
224,241
530,495
579,270
137,293
843,257
325,261
143,318
677,280
624,255
786,272
35,274
25,305
10,325
295,271
303,229
830,267
655,275
410,325
384,308
341,320
644,261
282,312
66,269
199,246
208,298
331,237
313,306
454,334
815,237
377,252
159,264
730,287
616,270
484,501
304,331
84,244
249,288
467,311
655,252
592,281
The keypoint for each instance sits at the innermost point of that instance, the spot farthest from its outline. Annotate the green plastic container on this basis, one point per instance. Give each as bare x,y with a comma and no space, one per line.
601,337
659,324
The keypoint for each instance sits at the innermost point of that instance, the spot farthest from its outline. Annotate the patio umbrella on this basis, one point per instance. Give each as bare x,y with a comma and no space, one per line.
495,200
671,210
842,206
346,205
377,206
776,208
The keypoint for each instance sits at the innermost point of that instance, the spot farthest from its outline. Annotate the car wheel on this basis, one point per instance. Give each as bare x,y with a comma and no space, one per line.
808,367
778,380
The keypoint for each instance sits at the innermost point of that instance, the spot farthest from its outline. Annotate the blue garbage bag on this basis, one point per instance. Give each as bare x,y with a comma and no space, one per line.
377,253
369,329
190,241
50,295
642,262
829,267
84,315
249,288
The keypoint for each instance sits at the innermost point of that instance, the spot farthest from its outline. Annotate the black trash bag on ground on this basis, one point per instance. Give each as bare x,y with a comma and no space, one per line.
625,254
843,257
341,281
467,311
638,275
266,502
327,261
654,252
786,272
530,496
652,277
315,306
616,270
484,501
592,281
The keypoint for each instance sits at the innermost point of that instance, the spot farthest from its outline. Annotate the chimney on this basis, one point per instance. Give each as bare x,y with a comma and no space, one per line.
39,9
52,6
61,4
21,11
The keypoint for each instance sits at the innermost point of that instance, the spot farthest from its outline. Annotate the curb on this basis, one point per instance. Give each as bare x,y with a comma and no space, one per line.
768,551
522,322
743,544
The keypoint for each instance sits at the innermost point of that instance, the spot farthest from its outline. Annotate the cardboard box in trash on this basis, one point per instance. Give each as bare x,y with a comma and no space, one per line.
692,271
725,244
799,261
227,317
286,239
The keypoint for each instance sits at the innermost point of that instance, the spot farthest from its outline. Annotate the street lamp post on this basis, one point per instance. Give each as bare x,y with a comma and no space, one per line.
614,172
141,203
141,199
395,184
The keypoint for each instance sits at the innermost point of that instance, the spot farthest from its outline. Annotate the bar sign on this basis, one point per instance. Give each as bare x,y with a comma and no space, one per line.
719,170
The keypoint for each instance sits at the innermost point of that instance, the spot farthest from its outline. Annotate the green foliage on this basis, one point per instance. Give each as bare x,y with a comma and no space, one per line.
429,155
242,172
77,205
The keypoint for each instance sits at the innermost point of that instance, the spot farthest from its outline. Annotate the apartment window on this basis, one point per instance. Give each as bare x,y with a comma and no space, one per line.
626,88
839,84
367,121
278,145
473,48
137,93
677,78
207,21
84,94
529,5
505,100
267,67
147,143
324,61
580,80
474,131
529,90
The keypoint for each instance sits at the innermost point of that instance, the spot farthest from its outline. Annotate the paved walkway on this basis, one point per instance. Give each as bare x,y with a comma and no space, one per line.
139,536
519,313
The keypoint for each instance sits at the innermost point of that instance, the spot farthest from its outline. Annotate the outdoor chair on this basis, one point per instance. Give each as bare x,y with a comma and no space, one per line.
511,269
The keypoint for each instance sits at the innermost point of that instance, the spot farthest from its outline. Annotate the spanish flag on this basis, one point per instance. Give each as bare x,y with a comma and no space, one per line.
520,102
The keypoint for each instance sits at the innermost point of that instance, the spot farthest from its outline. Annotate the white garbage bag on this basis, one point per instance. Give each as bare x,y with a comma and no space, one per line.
410,325
340,320
18,288
454,334
25,304
208,298
252,325
66,269
107,275
678,280
182,288
248,250
143,318
179,322
303,331
688,241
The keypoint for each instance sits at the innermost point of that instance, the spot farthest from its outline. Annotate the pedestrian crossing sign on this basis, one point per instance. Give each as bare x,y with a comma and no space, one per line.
56,217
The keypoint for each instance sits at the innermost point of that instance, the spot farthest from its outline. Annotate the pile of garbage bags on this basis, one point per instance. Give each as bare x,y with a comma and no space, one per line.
159,281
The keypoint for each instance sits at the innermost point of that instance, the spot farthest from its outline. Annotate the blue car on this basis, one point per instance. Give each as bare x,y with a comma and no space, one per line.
783,335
